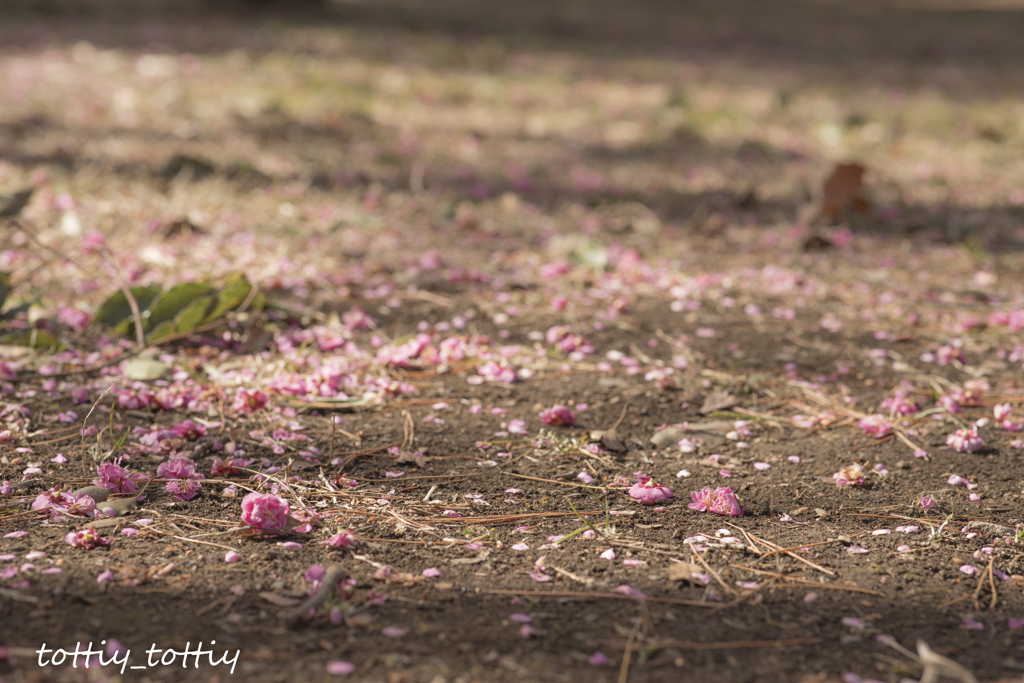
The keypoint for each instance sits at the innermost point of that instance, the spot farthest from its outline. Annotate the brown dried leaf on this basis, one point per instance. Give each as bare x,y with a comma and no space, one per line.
278,599
844,189
719,400
418,458
471,560
682,571
609,439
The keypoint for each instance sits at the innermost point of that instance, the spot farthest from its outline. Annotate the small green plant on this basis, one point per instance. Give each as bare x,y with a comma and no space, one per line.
181,309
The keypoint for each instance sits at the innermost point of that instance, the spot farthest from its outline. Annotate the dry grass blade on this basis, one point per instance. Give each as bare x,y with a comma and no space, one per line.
332,577
735,645
628,654
795,556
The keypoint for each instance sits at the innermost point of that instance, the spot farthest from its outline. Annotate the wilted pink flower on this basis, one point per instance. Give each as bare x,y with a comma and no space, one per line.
55,501
134,399
517,427
87,539
949,404
965,440
497,373
1002,411
899,404
184,489
721,501
875,425
557,415
189,430
431,572
645,491
249,401
231,556
852,475
73,318
228,466
84,506
115,478
93,241
927,502
265,511
957,480
585,478
356,319
598,659
179,467
343,539
344,482
947,354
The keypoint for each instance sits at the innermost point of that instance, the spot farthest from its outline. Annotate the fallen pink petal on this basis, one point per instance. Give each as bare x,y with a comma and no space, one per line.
340,668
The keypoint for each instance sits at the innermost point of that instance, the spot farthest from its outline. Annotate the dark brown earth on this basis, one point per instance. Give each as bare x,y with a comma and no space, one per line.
458,626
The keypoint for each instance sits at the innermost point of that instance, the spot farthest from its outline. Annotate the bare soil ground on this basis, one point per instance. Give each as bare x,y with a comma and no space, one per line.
641,173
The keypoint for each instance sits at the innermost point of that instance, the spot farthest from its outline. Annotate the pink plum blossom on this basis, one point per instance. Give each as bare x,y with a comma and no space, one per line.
184,489
647,492
87,539
950,404
115,478
557,415
965,440
343,539
228,466
189,430
721,501
265,512
73,318
517,427
875,425
248,401
496,372
899,404
852,475
55,501
179,467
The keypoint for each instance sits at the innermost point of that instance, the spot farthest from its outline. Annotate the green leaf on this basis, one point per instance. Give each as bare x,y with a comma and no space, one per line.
161,331
174,301
115,310
193,315
39,339
5,287
232,295
12,313
145,369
